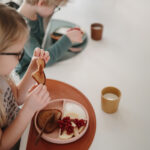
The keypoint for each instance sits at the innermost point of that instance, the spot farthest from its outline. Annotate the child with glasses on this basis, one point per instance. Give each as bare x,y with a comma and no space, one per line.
34,11
13,121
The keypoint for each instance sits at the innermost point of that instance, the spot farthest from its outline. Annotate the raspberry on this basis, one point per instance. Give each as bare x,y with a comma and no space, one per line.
80,123
70,129
65,124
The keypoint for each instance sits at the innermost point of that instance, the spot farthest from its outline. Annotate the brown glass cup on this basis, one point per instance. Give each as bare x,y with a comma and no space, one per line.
110,98
96,31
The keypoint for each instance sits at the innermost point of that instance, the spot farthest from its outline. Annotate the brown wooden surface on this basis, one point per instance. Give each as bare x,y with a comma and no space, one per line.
59,89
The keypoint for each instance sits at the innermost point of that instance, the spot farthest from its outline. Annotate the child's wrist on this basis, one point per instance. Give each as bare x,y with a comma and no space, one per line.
69,38
27,112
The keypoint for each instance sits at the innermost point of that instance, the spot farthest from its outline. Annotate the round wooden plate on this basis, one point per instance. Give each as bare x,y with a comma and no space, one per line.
54,136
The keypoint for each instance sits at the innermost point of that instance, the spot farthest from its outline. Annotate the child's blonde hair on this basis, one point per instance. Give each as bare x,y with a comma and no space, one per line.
2,112
48,2
12,28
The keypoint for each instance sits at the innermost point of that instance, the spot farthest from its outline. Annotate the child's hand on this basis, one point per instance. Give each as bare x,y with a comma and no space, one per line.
75,35
37,99
40,53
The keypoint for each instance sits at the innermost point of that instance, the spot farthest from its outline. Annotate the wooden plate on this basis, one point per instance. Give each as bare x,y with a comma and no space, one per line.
54,136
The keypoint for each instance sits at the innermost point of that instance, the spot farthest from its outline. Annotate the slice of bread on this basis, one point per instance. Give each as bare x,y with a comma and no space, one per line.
44,115
39,75
40,62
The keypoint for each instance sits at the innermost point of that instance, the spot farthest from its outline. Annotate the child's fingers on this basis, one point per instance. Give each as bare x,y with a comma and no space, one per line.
75,28
38,88
42,53
46,53
47,59
37,52
80,41
32,88
43,91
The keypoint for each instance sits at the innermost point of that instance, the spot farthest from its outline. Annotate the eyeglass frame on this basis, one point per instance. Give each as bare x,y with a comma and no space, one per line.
57,8
19,54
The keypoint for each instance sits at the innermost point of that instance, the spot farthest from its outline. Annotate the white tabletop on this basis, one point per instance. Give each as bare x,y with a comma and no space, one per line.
121,59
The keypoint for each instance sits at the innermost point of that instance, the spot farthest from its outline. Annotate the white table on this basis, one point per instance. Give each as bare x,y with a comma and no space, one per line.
121,59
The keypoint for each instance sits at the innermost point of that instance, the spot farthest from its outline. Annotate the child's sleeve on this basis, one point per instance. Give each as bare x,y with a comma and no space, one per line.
35,37
58,49
31,45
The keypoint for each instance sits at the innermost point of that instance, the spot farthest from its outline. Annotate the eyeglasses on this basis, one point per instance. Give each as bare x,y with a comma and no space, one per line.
19,55
57,9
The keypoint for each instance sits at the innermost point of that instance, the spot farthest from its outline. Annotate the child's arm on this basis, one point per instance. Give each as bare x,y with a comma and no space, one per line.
61,46
36,100
13,133
27,82
58,49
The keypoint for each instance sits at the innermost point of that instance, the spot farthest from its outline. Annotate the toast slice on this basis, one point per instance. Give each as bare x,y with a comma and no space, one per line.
41,62
39,75
44,115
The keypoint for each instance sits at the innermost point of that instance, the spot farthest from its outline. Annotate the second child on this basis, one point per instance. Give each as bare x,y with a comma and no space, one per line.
34,11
